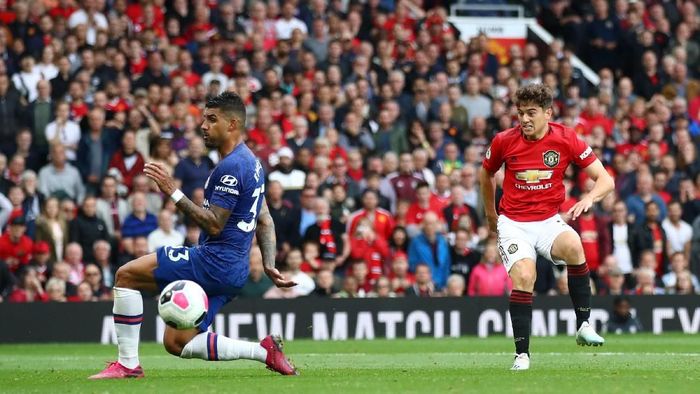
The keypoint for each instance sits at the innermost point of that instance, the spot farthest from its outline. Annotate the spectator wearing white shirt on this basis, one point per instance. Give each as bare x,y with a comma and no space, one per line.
678,232
90,17
46,67
165,234
215,74
288,22
679,264
27,78
64,131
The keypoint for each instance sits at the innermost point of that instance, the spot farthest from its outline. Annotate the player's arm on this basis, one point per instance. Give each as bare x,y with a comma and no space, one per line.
604,184
211,220
493,160
487,185
267,241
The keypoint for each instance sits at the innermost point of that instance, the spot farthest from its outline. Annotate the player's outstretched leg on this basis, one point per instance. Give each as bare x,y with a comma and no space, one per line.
568,246
523,275
214,347
580,291
128,315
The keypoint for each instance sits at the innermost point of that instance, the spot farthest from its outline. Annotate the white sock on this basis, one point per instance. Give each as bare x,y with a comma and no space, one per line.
128,315
214,347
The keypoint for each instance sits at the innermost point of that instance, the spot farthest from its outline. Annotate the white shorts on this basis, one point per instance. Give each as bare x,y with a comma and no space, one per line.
525,240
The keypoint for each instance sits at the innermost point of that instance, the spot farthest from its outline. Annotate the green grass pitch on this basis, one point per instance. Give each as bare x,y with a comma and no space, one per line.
626,364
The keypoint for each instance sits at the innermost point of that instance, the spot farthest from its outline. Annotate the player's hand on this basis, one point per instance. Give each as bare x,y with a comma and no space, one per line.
159,174
278,279
582,206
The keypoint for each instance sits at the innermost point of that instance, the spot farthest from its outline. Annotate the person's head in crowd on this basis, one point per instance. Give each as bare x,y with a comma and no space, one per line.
58,155
286,159
359,271
142,184
490,255
325,280
615,280
321,208
41,255
17,228
390,163
61,270
44,90
101,252
423,274
256,264
370,200
430,225
165,221
423,194
24,140
197,197
303,161
85,293
129,142
56,289
196,148
678,262
405,164
442,184
274,192
647,259
652,212
140,246
399,239
73,254
293,260
89,207
382,288
684,283
645,281
16,196
455,286
138,204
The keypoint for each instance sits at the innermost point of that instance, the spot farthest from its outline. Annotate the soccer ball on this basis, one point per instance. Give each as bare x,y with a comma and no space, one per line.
183,304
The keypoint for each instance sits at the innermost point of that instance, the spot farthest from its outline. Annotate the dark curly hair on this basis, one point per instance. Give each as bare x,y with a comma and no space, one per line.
230,104
537,94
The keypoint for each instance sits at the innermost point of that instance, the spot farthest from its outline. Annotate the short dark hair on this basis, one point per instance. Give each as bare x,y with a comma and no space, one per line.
538,94
229,103
422,184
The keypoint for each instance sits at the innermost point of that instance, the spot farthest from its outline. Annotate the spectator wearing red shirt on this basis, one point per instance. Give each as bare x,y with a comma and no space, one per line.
382,220
594,238
185,71
489,278
424,203
365,245
28,287
128,161
15,247
457,207
399,276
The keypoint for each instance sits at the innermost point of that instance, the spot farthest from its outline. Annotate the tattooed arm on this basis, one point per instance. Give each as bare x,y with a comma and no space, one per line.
268,246
211,220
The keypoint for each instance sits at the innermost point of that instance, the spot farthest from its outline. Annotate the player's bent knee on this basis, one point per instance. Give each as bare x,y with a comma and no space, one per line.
123,277
173,347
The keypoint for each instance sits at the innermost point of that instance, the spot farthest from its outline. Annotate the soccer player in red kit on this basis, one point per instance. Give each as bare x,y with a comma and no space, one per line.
535,155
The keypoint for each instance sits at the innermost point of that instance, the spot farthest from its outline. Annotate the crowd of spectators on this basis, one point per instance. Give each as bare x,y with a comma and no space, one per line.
370,118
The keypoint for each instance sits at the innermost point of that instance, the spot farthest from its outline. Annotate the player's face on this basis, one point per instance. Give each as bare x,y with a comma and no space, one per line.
533,120
216,127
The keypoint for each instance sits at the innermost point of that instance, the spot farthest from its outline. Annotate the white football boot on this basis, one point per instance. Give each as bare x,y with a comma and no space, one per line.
521,362
586,336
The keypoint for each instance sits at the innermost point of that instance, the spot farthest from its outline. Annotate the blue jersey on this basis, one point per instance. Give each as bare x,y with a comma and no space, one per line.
237,184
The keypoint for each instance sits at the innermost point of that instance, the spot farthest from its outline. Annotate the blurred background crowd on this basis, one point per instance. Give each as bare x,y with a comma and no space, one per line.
371,119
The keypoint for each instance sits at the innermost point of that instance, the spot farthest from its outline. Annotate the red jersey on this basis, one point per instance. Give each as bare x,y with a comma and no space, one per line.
588,228
383,222
416,213
533,187
22,250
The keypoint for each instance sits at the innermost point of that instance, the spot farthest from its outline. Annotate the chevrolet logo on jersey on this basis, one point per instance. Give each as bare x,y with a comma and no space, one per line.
533,176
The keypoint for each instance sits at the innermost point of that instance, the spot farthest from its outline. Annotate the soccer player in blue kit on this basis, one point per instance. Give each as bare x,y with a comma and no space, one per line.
234,207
